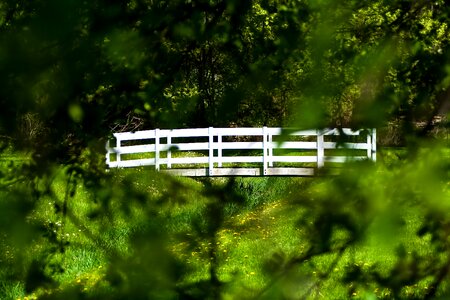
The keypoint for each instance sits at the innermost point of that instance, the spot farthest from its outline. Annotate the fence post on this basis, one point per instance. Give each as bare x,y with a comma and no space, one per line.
270,150
108,153
265,150
169,149
211,151
219,149
320,150
374,144
157,149
118,159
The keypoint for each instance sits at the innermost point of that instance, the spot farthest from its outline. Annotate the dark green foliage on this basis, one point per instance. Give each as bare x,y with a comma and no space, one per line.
257,191
72,71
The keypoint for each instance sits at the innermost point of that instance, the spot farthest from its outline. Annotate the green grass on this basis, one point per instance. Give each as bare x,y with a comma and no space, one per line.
259,234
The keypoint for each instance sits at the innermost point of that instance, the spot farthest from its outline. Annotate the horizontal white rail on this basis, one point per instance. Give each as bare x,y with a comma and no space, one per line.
210,148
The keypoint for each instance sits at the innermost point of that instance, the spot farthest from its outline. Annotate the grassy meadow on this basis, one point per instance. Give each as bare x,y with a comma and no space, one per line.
222,237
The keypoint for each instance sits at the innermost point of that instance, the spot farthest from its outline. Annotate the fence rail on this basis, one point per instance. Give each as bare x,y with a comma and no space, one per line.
239,151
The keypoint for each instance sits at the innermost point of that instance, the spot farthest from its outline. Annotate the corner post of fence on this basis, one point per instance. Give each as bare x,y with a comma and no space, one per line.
211,151
169,149
374,144
265,144
320,149
270,149
369,144
219,149
108,153
118,145
157,149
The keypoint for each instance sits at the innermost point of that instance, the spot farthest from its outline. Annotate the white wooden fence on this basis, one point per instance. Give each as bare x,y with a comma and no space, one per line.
239,151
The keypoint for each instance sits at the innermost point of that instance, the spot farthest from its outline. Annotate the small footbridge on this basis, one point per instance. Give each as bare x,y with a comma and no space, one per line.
265,151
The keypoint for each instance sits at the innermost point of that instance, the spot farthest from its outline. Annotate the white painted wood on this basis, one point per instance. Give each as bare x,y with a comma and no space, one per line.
274,130
201,172
152,141
157,149
270,145
295,145
219,149
132,163
292,131
265,158
237,172
374,144
211,151
118,145
336,131
169,151
320,149
290,172
108,153
334,145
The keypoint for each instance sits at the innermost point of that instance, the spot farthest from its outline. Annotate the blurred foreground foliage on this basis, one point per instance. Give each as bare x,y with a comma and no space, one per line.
72,71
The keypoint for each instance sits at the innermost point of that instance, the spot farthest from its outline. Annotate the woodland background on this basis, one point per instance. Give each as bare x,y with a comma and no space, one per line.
72,72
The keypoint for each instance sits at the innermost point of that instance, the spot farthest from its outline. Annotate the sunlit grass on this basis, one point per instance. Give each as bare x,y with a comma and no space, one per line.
247,240
259,233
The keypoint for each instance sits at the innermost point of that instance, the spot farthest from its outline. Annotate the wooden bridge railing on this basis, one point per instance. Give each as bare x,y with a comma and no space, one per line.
239,151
